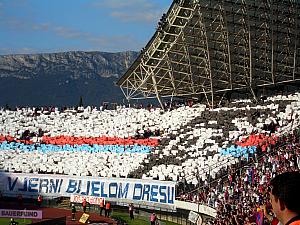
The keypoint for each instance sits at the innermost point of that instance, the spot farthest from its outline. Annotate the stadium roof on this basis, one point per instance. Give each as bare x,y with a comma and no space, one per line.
209,47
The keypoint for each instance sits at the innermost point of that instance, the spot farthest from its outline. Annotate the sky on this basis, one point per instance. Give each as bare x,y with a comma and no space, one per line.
47,26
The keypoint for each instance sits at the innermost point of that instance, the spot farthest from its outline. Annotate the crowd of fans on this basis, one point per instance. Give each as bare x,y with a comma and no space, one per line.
241,193
120,139
235,185
246,191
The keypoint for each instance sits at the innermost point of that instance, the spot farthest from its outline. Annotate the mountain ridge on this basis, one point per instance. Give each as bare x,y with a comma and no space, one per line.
62,78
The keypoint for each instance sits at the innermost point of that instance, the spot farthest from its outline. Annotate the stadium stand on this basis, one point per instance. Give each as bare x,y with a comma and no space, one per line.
190,145
214,155
88,126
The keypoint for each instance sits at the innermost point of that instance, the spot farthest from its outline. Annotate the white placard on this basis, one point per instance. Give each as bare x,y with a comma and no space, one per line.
90,199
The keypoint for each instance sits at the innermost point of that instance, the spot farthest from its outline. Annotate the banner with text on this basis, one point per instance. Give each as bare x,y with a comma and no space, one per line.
90,199
27,214
148,191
